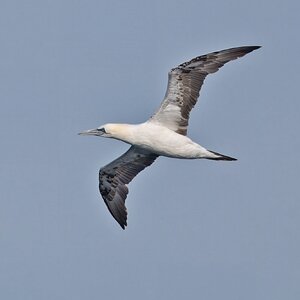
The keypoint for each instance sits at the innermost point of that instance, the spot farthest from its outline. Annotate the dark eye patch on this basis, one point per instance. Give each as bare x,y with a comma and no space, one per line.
101,130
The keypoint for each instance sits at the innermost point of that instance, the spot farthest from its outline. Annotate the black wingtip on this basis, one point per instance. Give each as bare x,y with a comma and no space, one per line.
243,49
122,223
255,47
251,48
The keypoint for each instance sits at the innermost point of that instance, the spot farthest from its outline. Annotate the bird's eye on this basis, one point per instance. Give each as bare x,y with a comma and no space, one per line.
101,130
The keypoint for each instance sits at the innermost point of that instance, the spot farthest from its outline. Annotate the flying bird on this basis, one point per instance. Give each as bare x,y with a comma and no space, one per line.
164,134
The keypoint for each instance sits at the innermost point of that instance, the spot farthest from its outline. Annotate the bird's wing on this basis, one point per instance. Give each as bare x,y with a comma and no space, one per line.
184,85
114,177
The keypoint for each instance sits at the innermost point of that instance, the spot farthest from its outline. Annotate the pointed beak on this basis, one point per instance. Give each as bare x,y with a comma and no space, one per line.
91,132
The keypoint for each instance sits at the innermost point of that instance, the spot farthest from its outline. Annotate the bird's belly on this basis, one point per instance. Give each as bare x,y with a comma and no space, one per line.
168,143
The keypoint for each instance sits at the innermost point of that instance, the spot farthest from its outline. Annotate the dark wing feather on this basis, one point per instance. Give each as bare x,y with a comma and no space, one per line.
184,85
114,177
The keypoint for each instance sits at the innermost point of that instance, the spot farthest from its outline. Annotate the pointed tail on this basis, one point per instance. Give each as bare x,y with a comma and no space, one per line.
219,156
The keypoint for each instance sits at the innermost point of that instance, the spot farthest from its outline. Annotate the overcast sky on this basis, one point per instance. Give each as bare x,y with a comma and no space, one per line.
196,229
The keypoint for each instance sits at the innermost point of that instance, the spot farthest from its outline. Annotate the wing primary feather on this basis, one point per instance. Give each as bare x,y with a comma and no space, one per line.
114,177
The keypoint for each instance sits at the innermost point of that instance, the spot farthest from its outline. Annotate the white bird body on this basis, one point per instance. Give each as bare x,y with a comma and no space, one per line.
159,140
164,134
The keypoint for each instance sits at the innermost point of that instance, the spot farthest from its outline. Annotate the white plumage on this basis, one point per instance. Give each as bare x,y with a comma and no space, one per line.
164,134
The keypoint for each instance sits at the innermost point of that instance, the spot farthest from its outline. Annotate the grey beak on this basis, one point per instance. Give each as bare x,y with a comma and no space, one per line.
91,132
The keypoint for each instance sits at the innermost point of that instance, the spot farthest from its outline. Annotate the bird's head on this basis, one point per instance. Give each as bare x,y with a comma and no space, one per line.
103,130
107,130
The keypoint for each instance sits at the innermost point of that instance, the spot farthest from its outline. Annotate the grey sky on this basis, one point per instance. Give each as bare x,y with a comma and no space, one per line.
196,229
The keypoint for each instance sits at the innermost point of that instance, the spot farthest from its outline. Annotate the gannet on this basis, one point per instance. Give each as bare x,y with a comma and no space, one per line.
164,134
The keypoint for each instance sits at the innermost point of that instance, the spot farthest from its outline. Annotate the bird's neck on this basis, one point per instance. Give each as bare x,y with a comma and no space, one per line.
123,132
